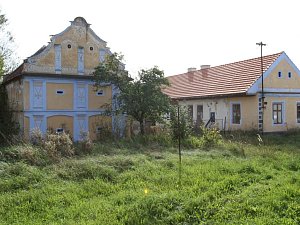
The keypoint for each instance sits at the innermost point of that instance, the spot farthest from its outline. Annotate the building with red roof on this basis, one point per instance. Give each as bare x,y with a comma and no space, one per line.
237,96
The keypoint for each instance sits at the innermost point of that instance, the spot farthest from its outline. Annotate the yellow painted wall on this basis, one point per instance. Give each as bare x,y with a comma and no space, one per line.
26,95
55,101
65,122
290,112
76,36
26,127
273,81
98,120
96,102
249,113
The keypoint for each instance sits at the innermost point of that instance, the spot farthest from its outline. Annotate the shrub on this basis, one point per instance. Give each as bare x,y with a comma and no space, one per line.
210,137
57,145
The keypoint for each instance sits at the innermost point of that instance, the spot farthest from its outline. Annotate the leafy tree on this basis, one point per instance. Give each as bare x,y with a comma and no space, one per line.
8,59
141,98
8,126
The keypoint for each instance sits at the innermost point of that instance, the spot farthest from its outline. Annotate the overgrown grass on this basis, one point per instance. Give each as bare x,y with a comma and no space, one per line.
238,180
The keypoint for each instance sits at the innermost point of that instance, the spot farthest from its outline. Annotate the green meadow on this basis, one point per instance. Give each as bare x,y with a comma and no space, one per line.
238,180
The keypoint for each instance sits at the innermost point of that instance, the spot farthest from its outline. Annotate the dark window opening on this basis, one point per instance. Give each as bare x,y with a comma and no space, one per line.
60,92
59,130
298,112
190,112
100,93
277,113
236,113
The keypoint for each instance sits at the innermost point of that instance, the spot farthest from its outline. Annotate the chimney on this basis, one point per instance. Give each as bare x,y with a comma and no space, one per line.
191,69
202,67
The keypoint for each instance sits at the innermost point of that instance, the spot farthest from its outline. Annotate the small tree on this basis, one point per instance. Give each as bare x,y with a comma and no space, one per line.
140,98
181,126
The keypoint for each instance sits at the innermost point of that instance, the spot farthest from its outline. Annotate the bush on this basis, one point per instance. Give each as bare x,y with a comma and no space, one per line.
210,137
58,145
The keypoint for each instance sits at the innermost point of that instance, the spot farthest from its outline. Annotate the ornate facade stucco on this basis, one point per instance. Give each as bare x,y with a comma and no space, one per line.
77,35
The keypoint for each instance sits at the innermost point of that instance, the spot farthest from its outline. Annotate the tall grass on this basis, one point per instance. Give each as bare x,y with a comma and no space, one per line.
236,181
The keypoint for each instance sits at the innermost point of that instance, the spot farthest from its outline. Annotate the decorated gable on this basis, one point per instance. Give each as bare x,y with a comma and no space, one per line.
77,51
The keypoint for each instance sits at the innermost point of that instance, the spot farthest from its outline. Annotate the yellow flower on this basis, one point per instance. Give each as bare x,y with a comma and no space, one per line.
146,191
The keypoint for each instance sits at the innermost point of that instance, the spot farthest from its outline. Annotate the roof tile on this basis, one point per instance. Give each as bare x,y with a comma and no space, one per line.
228,79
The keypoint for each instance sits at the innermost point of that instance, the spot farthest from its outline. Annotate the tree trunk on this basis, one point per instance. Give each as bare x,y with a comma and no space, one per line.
142,127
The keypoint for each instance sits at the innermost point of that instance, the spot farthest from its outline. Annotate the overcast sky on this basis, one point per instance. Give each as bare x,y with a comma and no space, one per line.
173,35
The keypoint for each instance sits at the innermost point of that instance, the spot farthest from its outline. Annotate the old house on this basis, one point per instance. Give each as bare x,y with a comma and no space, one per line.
235,97
53,89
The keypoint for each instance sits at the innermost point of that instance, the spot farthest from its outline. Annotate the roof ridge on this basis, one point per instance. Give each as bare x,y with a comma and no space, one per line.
235,77
279,53
222,65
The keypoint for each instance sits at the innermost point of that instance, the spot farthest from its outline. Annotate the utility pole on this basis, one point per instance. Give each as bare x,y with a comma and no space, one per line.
179,141
262,87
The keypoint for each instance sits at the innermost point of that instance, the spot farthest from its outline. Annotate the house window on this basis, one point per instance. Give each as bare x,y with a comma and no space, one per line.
57,50
289,74
277,113
236,114
59,130
59,92
298,112
100,93
190,112
98,129
279,74
199,113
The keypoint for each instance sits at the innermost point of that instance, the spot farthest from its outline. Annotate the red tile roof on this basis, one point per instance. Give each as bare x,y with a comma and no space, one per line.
229,79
